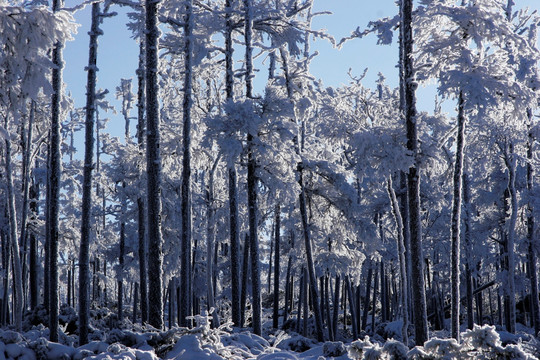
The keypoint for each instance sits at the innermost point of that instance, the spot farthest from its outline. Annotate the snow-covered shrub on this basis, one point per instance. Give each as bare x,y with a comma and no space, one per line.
395,350
356,349
443,348
374,352
10,337
481,338
334,349
296,343
418,353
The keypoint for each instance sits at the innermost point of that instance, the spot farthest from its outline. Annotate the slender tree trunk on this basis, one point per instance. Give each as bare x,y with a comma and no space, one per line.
84,266
402,262
47,250
141,220
367,300
531,253
456,220
510,160
55,178
186,276
374,300
153,168
417,257
17,271
34,283
210,230
352,307
336,307
303,213
300,300
252,182
305,301
233,198
276,265
329,323
121,268
245,269
288,285
26,141
468,254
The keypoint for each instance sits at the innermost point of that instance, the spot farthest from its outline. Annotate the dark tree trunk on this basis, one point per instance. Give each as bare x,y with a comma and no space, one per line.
531,253
245,269
185,274
417,257
456,220
367,298
84,250
141,220
352,307
402,261
34,283
54,182
336,307
153,168
276,265
468,270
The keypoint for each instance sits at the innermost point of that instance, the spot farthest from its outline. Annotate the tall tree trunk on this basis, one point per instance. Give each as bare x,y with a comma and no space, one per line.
141,220
252,181
531,253
26,141
402,262
186,276
245,269
153,168
456,219
336,307
276,265
417,257
34,283
17,271
210,230
366,300
55,178
84,250
303,215
468,254
233,198
121,266
352,307
510,161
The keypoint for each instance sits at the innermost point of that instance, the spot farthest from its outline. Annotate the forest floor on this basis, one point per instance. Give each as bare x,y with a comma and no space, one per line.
113,340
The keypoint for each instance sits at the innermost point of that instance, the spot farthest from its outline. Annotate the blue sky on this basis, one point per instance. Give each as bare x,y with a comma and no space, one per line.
117,54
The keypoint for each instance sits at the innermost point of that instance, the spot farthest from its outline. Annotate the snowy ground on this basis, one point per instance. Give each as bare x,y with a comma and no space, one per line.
202,342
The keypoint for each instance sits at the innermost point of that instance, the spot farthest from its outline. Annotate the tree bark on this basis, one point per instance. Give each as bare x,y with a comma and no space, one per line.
468,270
510,161
55,179
141,220
186,276
252,182
17,270
34,283
84,250
153,168
456,220
402,262
413,177
276,265
532,257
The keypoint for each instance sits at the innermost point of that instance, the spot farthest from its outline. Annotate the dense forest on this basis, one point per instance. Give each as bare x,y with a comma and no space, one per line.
247,210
